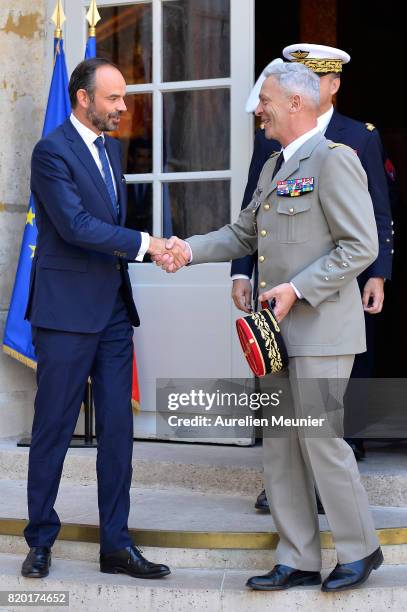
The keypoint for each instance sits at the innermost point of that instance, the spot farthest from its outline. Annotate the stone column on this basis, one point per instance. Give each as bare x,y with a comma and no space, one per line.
23,83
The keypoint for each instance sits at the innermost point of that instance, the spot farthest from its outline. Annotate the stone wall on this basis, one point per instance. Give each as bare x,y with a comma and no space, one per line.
23,82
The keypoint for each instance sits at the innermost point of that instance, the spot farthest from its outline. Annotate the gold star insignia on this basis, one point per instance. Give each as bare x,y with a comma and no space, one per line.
30,216
299,54
32,247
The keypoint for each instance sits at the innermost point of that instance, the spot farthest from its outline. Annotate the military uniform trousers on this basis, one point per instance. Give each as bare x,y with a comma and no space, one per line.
65,360
295,464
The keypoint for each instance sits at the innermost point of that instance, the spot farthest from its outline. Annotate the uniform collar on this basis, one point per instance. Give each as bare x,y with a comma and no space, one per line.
290,149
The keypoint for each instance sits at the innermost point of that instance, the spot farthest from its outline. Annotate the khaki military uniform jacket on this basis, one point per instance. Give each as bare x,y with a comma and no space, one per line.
320,240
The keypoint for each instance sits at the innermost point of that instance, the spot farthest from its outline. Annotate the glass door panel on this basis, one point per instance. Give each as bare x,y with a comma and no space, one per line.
196,135
125,36
140,207
195,207
136,134
196,39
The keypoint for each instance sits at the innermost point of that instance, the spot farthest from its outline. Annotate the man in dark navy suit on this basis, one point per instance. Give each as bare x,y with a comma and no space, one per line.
81,310
365,140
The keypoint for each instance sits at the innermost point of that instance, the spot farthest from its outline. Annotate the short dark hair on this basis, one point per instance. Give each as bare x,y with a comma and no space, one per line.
83,77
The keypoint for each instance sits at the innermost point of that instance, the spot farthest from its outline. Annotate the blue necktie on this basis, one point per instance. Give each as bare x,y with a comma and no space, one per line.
100,144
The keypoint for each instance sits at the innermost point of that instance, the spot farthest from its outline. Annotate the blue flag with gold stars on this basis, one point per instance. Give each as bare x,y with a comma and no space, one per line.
17,335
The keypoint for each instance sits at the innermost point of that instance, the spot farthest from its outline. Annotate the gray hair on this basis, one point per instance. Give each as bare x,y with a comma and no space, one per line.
296,78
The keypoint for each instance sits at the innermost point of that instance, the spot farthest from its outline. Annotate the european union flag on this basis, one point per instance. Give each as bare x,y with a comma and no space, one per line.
17,335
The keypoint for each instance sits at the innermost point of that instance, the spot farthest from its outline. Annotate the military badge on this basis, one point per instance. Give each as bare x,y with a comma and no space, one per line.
295,187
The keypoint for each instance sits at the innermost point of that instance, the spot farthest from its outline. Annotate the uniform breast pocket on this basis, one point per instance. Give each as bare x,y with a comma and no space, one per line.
293,218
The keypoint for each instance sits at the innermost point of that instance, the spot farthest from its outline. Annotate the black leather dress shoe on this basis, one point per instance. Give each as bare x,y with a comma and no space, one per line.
320,508
263,505
283,577
357,447
348,575
37,562
130,561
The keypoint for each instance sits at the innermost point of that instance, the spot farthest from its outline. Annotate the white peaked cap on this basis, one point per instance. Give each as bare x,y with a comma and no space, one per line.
253,99
319,58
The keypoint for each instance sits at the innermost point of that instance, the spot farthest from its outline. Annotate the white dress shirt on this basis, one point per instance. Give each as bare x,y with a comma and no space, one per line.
89,137
324,119
293,147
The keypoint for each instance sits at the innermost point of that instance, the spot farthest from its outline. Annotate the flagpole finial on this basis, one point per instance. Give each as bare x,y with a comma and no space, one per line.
93,17
58,17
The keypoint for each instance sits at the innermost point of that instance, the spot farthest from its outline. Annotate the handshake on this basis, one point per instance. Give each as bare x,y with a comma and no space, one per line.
170,254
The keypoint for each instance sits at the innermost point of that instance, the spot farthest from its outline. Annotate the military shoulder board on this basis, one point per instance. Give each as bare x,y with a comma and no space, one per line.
334,145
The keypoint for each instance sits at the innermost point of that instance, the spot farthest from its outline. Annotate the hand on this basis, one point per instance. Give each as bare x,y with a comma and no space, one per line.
242,294
285,298
171,254
373,290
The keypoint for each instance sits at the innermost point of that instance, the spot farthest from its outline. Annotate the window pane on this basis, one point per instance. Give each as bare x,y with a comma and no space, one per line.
140,207
195,207
124,36
196,130
135,134
196,39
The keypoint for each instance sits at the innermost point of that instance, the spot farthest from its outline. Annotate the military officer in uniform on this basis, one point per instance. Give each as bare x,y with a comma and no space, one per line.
310,248
365,140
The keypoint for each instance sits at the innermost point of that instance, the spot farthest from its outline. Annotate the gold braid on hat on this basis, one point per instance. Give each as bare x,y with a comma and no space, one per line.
321,65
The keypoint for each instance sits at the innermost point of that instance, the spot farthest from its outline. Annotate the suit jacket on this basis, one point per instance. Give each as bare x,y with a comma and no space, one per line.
319,240
80,260
367,144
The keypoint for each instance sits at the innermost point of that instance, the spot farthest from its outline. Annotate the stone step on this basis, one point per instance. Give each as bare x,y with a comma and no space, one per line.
217,590
193,527
205,558
213,468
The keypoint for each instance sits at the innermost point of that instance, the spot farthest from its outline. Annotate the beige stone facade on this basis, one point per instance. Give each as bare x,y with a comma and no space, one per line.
23,83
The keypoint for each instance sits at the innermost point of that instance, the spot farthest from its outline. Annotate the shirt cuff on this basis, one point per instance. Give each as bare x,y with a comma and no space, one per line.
190,251
297,293
237,276
145,243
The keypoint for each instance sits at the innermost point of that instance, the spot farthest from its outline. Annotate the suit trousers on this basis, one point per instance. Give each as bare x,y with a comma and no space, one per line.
65,361
298,462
